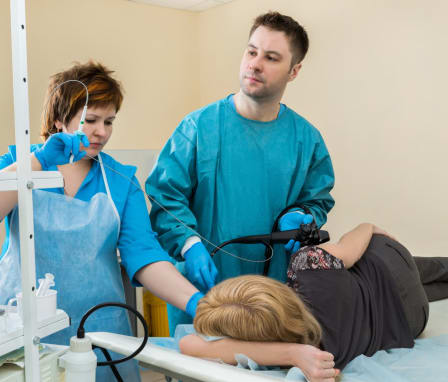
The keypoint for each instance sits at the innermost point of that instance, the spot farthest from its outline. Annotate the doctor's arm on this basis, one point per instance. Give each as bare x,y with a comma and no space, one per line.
315,193
317,365
172,184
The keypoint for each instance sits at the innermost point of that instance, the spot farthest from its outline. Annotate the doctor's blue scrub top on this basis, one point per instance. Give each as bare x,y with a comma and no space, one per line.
137,242
227,176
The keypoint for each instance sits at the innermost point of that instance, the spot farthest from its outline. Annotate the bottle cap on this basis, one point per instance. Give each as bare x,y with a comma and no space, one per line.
80,345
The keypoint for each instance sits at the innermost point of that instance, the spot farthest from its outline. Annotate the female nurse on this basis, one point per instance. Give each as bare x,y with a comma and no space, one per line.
99,213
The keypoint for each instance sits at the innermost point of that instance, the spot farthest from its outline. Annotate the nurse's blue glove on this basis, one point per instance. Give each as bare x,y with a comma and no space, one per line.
293,220
200,268
192,304
58,149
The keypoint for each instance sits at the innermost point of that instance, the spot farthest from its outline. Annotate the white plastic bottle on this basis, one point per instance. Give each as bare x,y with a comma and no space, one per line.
80,361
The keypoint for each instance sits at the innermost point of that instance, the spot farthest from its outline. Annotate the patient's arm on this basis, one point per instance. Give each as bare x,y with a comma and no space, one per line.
353,244
317,365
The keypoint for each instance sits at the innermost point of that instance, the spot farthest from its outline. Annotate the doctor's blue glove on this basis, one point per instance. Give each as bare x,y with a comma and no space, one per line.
200,268
192,303
58,149
293,220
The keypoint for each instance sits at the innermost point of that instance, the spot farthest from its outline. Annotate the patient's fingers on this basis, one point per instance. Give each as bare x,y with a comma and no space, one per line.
327,364
329,373
327,376
325,356
336,372
321,374
317,365
326,373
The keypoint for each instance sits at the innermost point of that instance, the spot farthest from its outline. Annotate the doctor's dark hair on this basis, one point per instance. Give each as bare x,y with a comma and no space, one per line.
63,103
298,38
256,308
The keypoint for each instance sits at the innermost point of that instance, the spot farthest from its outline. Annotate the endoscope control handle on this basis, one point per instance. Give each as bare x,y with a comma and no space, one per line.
324,236
317,237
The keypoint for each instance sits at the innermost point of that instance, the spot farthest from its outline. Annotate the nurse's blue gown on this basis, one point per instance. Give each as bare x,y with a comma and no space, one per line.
77,239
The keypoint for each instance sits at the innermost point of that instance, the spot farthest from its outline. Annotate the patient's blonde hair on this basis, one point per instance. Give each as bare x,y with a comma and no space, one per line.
256,308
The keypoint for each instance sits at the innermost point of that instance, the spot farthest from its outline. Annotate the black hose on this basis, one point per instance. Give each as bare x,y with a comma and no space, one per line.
110,362
112,366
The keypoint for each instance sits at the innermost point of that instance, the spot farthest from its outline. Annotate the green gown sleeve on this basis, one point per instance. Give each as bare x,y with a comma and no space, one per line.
315,193
171,184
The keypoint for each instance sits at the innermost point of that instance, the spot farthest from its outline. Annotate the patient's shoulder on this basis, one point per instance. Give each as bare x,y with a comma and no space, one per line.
314,258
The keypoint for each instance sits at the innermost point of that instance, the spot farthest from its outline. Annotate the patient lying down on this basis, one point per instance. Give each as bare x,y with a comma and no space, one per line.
363,294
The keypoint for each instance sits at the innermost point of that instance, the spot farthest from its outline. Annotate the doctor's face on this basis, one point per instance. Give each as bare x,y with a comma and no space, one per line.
265,68
97,127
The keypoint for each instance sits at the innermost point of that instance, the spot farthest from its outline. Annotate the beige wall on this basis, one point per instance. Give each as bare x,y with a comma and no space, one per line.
374,83
152,50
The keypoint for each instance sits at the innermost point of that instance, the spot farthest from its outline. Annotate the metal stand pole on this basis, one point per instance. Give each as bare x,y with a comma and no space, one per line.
24,186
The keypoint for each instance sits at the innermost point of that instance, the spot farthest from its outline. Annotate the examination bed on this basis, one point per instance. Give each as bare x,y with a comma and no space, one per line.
427,361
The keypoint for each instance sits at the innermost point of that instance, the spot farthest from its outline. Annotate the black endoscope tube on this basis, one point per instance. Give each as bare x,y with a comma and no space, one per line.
255,239
277,238
266,239
81,332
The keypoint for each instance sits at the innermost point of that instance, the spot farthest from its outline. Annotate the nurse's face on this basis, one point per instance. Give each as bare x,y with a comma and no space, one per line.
266,65
97,127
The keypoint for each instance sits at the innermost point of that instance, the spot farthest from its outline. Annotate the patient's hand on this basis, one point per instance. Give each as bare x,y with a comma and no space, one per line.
316,364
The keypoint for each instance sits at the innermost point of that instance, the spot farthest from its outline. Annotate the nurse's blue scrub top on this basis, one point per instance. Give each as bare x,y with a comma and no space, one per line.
137,242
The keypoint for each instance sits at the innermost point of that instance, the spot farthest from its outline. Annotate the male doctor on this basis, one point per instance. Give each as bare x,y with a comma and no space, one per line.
231,167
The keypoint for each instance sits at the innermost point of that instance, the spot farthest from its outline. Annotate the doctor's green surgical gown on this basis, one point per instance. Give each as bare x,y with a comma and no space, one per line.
227,176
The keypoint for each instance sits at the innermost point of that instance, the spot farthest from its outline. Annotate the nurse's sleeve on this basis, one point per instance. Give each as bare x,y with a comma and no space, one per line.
137,242
315,193
172,184
6,160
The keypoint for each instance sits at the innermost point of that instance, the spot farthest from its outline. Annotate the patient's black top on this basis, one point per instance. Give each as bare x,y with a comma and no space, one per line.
359,308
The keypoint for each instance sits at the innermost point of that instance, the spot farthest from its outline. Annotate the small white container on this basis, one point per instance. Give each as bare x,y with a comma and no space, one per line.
46,305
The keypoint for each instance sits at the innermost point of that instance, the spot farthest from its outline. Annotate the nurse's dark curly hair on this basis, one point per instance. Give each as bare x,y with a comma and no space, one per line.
63,104
298,38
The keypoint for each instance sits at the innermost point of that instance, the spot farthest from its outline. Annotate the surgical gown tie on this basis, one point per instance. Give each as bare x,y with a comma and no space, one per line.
77,242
